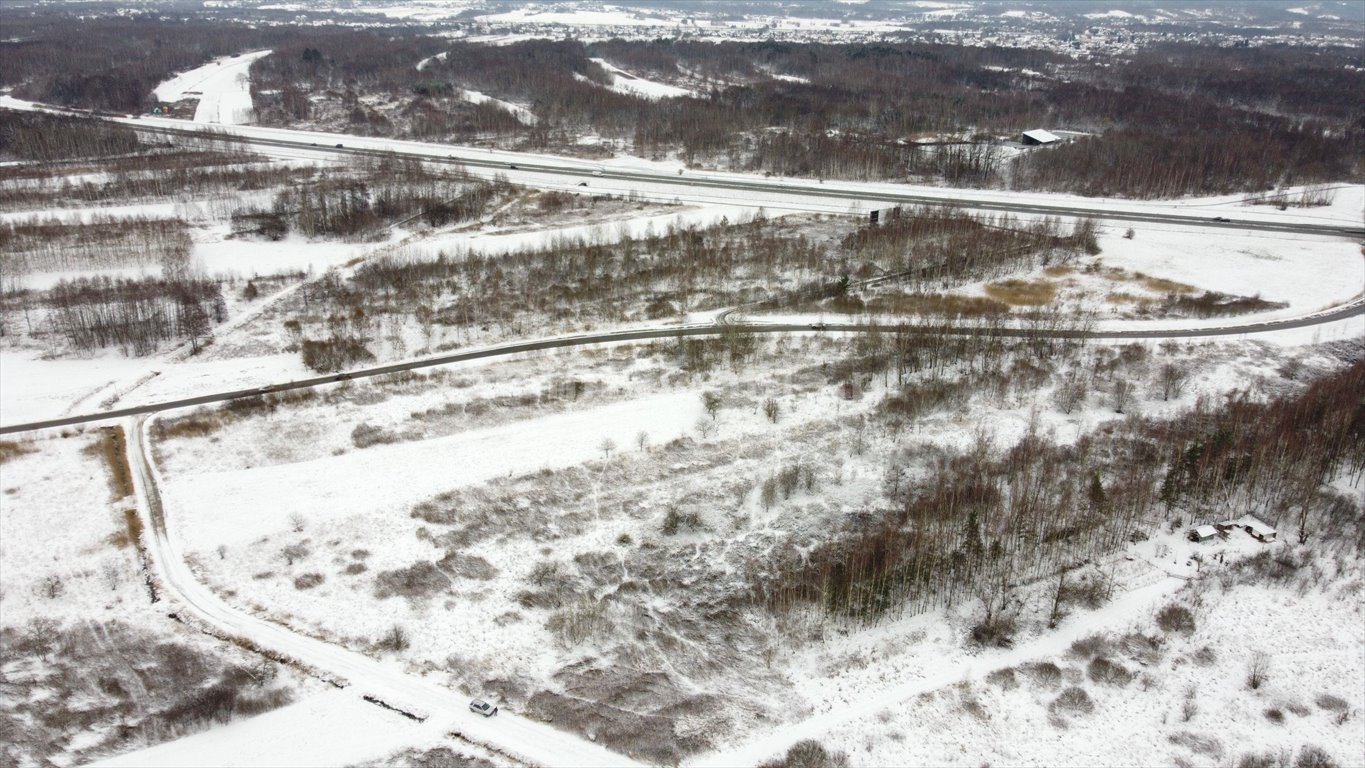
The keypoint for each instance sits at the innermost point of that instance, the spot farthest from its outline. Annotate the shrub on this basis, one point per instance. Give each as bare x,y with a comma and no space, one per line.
1314,757
417,581
1074,701
355,568
396,639
1200,744
995,632
1005,678
808,753
1275,715
1043,673
1333,703
467,566
1102,670
1089,646
1263,760
1175,618
308,580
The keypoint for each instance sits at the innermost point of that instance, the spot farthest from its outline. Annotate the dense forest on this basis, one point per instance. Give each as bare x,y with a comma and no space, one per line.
1167,120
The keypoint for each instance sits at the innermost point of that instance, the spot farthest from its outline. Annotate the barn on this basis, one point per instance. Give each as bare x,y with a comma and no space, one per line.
1039,137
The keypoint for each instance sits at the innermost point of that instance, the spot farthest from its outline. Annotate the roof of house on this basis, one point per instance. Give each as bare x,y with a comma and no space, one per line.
1205,531
1258,527
1041,136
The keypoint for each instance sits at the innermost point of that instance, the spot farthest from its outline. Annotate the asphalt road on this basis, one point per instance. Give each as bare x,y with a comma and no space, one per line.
1350,310
582,170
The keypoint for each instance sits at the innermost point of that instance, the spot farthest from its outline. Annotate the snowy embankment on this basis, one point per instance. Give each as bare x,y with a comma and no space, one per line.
222,86
634,85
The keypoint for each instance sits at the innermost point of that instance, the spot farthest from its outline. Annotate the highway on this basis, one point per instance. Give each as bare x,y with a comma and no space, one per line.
756,189
1353,309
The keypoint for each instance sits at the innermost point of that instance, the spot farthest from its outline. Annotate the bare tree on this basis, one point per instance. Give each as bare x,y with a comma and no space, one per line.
1173,378
770,409
1258,671
1123,393
642,440
606,447
711,402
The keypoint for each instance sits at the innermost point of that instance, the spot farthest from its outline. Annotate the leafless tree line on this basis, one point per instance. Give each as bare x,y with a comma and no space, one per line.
134,315
36,244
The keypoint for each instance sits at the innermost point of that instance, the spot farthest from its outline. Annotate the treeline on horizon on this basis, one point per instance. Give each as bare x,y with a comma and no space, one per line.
1170,120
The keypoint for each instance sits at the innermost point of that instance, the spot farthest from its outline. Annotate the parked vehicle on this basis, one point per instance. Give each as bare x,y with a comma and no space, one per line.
483,708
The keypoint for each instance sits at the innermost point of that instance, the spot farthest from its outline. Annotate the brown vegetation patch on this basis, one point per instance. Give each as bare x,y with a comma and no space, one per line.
13,449
1023,292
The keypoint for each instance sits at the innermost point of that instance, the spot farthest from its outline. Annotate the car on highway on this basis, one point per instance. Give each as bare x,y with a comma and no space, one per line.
513,166
817,326
341,146
1222,219
482,707
597,173
341,377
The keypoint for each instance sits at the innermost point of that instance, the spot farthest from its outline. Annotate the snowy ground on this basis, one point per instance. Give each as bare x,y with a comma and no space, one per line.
222,87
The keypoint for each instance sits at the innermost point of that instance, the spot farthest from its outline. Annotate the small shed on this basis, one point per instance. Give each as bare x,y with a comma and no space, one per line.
1039,136
1227,526
1259,530
1202,533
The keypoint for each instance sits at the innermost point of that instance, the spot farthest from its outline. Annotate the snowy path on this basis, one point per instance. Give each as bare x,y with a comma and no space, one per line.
517,737
1054,643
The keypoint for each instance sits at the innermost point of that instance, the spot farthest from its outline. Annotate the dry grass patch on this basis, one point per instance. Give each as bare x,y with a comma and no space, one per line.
1058,270
1023,292
935,304
1162,285
112,446
13,449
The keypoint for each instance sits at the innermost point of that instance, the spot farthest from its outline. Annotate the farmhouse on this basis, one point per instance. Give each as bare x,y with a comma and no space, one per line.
1039,136
1259,530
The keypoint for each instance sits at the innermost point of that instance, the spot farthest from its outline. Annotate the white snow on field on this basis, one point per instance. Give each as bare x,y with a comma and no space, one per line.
389,478
214,255
32,388
222,86
1115,14
331,728
1314,641
634,85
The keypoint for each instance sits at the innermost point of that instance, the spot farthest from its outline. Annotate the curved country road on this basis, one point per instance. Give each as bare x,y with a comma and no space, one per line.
1352,309
521,740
